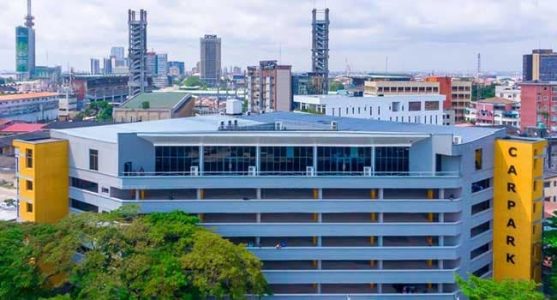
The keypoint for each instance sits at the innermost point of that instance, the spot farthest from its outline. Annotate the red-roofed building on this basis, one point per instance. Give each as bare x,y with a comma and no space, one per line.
22,128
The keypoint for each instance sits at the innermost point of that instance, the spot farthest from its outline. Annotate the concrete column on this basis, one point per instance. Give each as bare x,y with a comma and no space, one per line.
315,159
319,243
380,194
201,169
136,194
258,191
200,194
258,241
441,240
441,193
319,288
258,217
380,241
258,164
440,264
380,288
380,264
380,217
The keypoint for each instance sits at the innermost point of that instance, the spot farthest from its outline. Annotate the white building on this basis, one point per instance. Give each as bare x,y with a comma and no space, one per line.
508,92
425,109
30,107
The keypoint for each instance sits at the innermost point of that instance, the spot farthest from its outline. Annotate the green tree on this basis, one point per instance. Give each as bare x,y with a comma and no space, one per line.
481,91
476,288
102,110
335,86
145,105
124,255
550,253
194,81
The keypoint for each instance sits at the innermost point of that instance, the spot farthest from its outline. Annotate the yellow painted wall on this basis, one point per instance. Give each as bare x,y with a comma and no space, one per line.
517,209
49,175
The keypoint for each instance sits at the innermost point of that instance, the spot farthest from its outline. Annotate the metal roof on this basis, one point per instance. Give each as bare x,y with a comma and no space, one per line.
290,121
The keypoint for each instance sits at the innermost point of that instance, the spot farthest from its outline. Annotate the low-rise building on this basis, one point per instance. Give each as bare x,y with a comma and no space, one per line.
154,106
494,112
508,92
550,186
30,107
334,207
425,109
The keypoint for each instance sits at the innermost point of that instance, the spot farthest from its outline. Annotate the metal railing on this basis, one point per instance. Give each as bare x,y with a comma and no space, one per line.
294,173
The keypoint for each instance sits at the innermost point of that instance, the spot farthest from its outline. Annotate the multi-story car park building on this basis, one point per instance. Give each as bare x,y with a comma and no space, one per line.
334,207
425,109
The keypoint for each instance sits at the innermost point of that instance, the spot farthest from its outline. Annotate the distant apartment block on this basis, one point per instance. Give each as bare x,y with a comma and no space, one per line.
540,65
111,88
458,95
31,107
400,87
176,68
269,87
508,92
423,109
538,105
494,111
210,59
154,106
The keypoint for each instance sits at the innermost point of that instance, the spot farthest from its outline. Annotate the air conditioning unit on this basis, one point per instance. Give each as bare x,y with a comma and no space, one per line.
278,125
309,171
457,139
252,171
334,125
194,171
367,171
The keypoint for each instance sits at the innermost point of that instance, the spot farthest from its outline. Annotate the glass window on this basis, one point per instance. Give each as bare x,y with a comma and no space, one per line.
84,184
431,105
29,207
28,158
176,160
343,160
478,158
414,106
228,160
29,185
391,160
285,160
93,159
83,206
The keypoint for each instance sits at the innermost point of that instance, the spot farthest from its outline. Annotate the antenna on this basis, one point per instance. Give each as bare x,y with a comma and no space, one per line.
386,64
479,70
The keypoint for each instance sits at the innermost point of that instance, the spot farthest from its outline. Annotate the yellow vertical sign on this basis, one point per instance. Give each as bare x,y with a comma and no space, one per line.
517,209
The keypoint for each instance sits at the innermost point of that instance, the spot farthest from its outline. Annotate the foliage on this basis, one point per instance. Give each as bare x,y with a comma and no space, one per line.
124,255
145,104
335,86
194,81
476,288
101,109
550,251
480,91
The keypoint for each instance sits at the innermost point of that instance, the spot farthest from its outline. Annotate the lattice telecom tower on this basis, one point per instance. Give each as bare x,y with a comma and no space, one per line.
320,48
137,52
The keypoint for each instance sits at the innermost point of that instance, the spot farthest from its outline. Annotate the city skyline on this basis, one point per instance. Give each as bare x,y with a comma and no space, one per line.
426,36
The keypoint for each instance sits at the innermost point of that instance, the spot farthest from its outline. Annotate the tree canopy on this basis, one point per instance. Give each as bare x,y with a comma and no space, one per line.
194,81
123,255
476,288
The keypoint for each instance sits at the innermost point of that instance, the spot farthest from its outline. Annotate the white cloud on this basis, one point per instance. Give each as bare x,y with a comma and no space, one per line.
442,35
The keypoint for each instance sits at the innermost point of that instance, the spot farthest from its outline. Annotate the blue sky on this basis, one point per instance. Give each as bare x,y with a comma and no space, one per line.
424,35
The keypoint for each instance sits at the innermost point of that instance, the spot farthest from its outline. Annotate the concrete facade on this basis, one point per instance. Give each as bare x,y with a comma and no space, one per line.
405,208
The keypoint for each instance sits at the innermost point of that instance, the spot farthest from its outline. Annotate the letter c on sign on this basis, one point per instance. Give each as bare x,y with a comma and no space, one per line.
512,151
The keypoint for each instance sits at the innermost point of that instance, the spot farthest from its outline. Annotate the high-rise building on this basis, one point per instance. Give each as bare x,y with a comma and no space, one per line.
95,66
332,206
25,46
320,49
540,65
107,66
176,68
118,57
151,59
117,52
269,87
137,50
210,61
160,79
